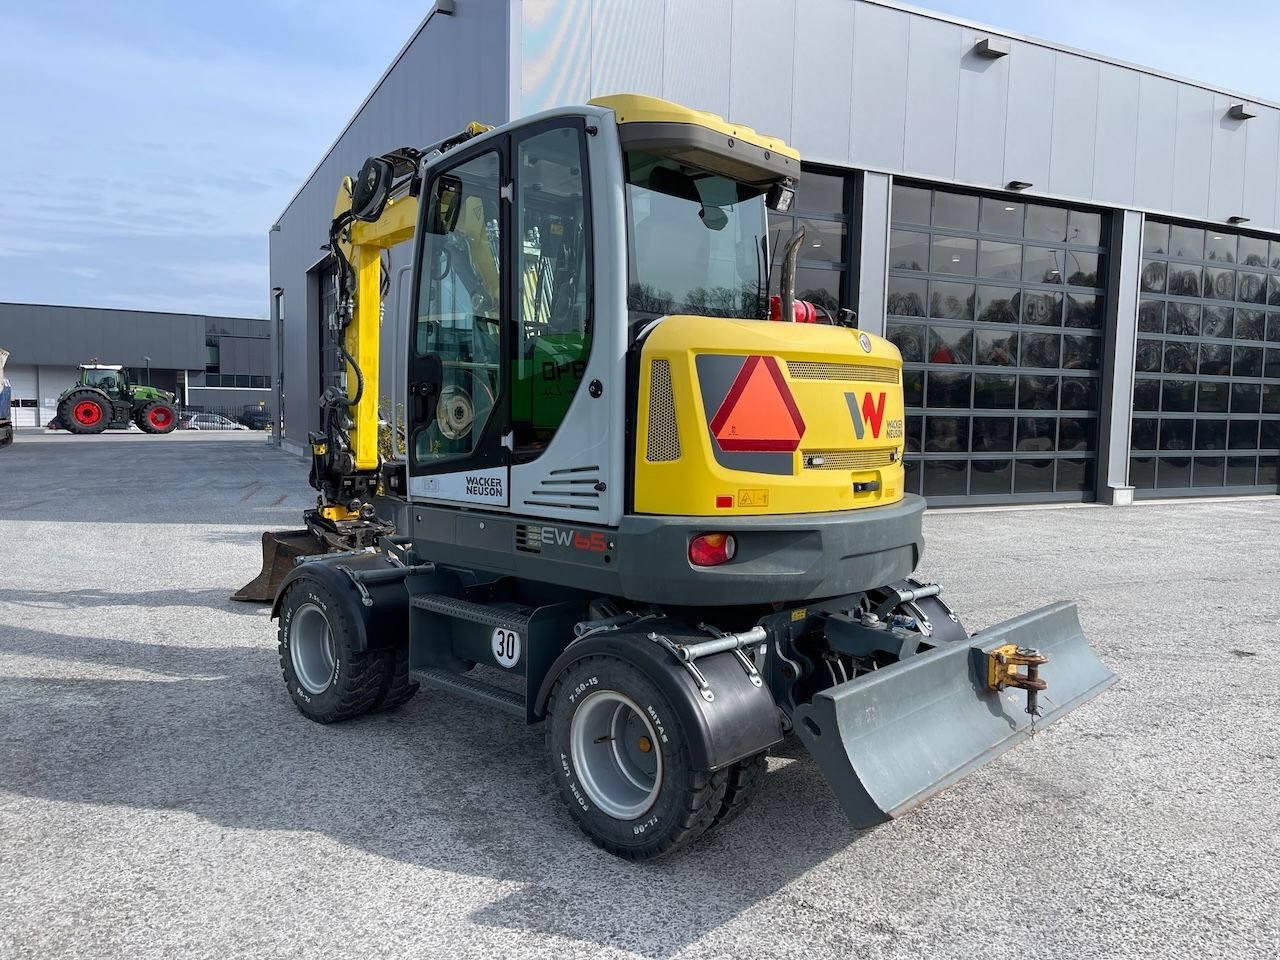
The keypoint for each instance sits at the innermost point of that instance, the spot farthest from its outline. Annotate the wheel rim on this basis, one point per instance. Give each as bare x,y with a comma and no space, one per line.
159,417
311,648
616,753
87,413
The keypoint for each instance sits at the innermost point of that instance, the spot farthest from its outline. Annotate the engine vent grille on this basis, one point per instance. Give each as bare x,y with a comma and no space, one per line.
847,459
664,433
822,370
528,538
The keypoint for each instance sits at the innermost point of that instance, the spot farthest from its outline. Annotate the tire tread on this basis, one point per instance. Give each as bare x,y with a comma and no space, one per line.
745,778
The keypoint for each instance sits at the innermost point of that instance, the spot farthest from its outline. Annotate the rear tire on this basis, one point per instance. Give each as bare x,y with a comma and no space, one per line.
85,412
621,760
745,779
400,686
327,679
157,417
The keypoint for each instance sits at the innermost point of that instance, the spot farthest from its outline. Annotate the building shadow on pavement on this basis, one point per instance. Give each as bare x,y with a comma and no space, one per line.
217,598
437,784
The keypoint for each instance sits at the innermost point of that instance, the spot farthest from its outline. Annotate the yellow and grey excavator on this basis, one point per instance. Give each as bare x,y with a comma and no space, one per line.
639,500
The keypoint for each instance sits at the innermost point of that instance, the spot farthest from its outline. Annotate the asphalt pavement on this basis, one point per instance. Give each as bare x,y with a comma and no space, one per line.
160,797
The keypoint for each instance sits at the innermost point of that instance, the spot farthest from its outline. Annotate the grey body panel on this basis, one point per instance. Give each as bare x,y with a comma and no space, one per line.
645,559
889,740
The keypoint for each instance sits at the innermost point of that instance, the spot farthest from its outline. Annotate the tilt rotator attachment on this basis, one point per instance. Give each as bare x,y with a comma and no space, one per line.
891,738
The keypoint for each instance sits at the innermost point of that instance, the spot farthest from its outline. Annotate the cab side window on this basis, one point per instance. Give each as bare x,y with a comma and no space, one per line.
459,317
553,258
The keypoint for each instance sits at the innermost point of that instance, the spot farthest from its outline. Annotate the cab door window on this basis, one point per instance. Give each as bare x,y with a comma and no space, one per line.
460,310
552,337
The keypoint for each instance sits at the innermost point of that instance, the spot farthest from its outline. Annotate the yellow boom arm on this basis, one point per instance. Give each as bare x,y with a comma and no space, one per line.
362,245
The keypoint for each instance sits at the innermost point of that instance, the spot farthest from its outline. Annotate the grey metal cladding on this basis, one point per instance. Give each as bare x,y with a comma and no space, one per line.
1157,136
627,48
933,53
1192,151
1227,161
56,335
983,102
695,72
1116,144
760,87
921,102
1075,102
820,97
1260,168
1029,118
879,99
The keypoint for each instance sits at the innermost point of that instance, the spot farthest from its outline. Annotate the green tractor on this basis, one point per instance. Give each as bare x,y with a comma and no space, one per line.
104,397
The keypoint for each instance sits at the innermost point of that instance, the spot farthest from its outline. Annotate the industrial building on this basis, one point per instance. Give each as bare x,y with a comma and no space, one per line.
1078,258
211,363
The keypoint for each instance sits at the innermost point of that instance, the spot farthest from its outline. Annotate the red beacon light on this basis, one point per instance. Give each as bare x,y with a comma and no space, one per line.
805,312
712,549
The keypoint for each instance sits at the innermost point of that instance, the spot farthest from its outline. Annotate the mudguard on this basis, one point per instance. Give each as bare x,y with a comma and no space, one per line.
741,721
889,740
384,623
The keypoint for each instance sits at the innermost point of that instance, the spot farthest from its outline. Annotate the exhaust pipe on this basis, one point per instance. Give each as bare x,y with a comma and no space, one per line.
787,281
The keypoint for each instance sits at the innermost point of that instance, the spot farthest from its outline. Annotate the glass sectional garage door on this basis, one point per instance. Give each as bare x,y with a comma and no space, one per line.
1206,396
997,306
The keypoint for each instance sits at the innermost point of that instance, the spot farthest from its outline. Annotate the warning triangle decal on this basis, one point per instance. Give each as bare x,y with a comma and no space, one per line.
758,413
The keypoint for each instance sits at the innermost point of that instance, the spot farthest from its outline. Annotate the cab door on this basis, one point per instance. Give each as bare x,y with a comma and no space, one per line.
458,399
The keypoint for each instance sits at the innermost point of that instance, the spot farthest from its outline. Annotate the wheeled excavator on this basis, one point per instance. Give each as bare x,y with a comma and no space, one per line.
640,501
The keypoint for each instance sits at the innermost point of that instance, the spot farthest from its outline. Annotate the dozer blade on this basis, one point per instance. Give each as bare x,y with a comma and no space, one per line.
279,551
889,740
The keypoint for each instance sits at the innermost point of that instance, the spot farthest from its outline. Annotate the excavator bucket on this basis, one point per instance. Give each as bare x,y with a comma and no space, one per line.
280,550
890,739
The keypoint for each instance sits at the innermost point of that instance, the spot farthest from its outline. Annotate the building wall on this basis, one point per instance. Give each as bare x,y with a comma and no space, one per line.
888,94
68,336
48,343
453,71
876,86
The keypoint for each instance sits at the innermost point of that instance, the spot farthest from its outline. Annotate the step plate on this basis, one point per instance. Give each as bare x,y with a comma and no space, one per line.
474,689
488,614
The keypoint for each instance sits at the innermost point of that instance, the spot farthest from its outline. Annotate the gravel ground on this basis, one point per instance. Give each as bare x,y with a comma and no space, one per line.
160,797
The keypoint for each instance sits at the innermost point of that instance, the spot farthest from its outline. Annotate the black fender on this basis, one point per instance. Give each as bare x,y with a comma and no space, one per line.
383,624
741,721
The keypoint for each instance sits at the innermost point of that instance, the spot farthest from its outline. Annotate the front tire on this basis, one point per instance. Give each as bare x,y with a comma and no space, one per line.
327,679
621,760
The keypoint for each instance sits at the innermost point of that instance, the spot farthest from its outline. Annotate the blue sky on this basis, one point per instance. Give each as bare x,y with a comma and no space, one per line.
147,146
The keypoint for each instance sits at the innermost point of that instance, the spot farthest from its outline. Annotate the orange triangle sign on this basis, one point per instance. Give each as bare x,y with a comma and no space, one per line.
758,413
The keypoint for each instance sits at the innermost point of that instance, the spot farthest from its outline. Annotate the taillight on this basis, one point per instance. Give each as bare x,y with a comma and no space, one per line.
712,549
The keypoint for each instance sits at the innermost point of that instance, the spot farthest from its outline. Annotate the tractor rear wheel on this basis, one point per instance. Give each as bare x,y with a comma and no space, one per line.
157,417
85,411
327,679
621,759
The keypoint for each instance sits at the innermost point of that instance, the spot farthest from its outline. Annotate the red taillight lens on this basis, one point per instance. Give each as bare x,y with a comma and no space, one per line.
712,549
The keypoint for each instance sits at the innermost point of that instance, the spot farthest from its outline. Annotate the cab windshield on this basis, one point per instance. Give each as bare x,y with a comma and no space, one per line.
694,242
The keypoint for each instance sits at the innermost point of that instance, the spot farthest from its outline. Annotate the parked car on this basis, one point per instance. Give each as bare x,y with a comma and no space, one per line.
213,421
256,418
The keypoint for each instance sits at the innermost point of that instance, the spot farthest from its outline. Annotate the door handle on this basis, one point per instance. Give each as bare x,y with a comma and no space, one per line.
425,391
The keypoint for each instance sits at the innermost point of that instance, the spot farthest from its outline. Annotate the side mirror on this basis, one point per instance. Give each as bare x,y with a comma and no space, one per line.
370,191
446,205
